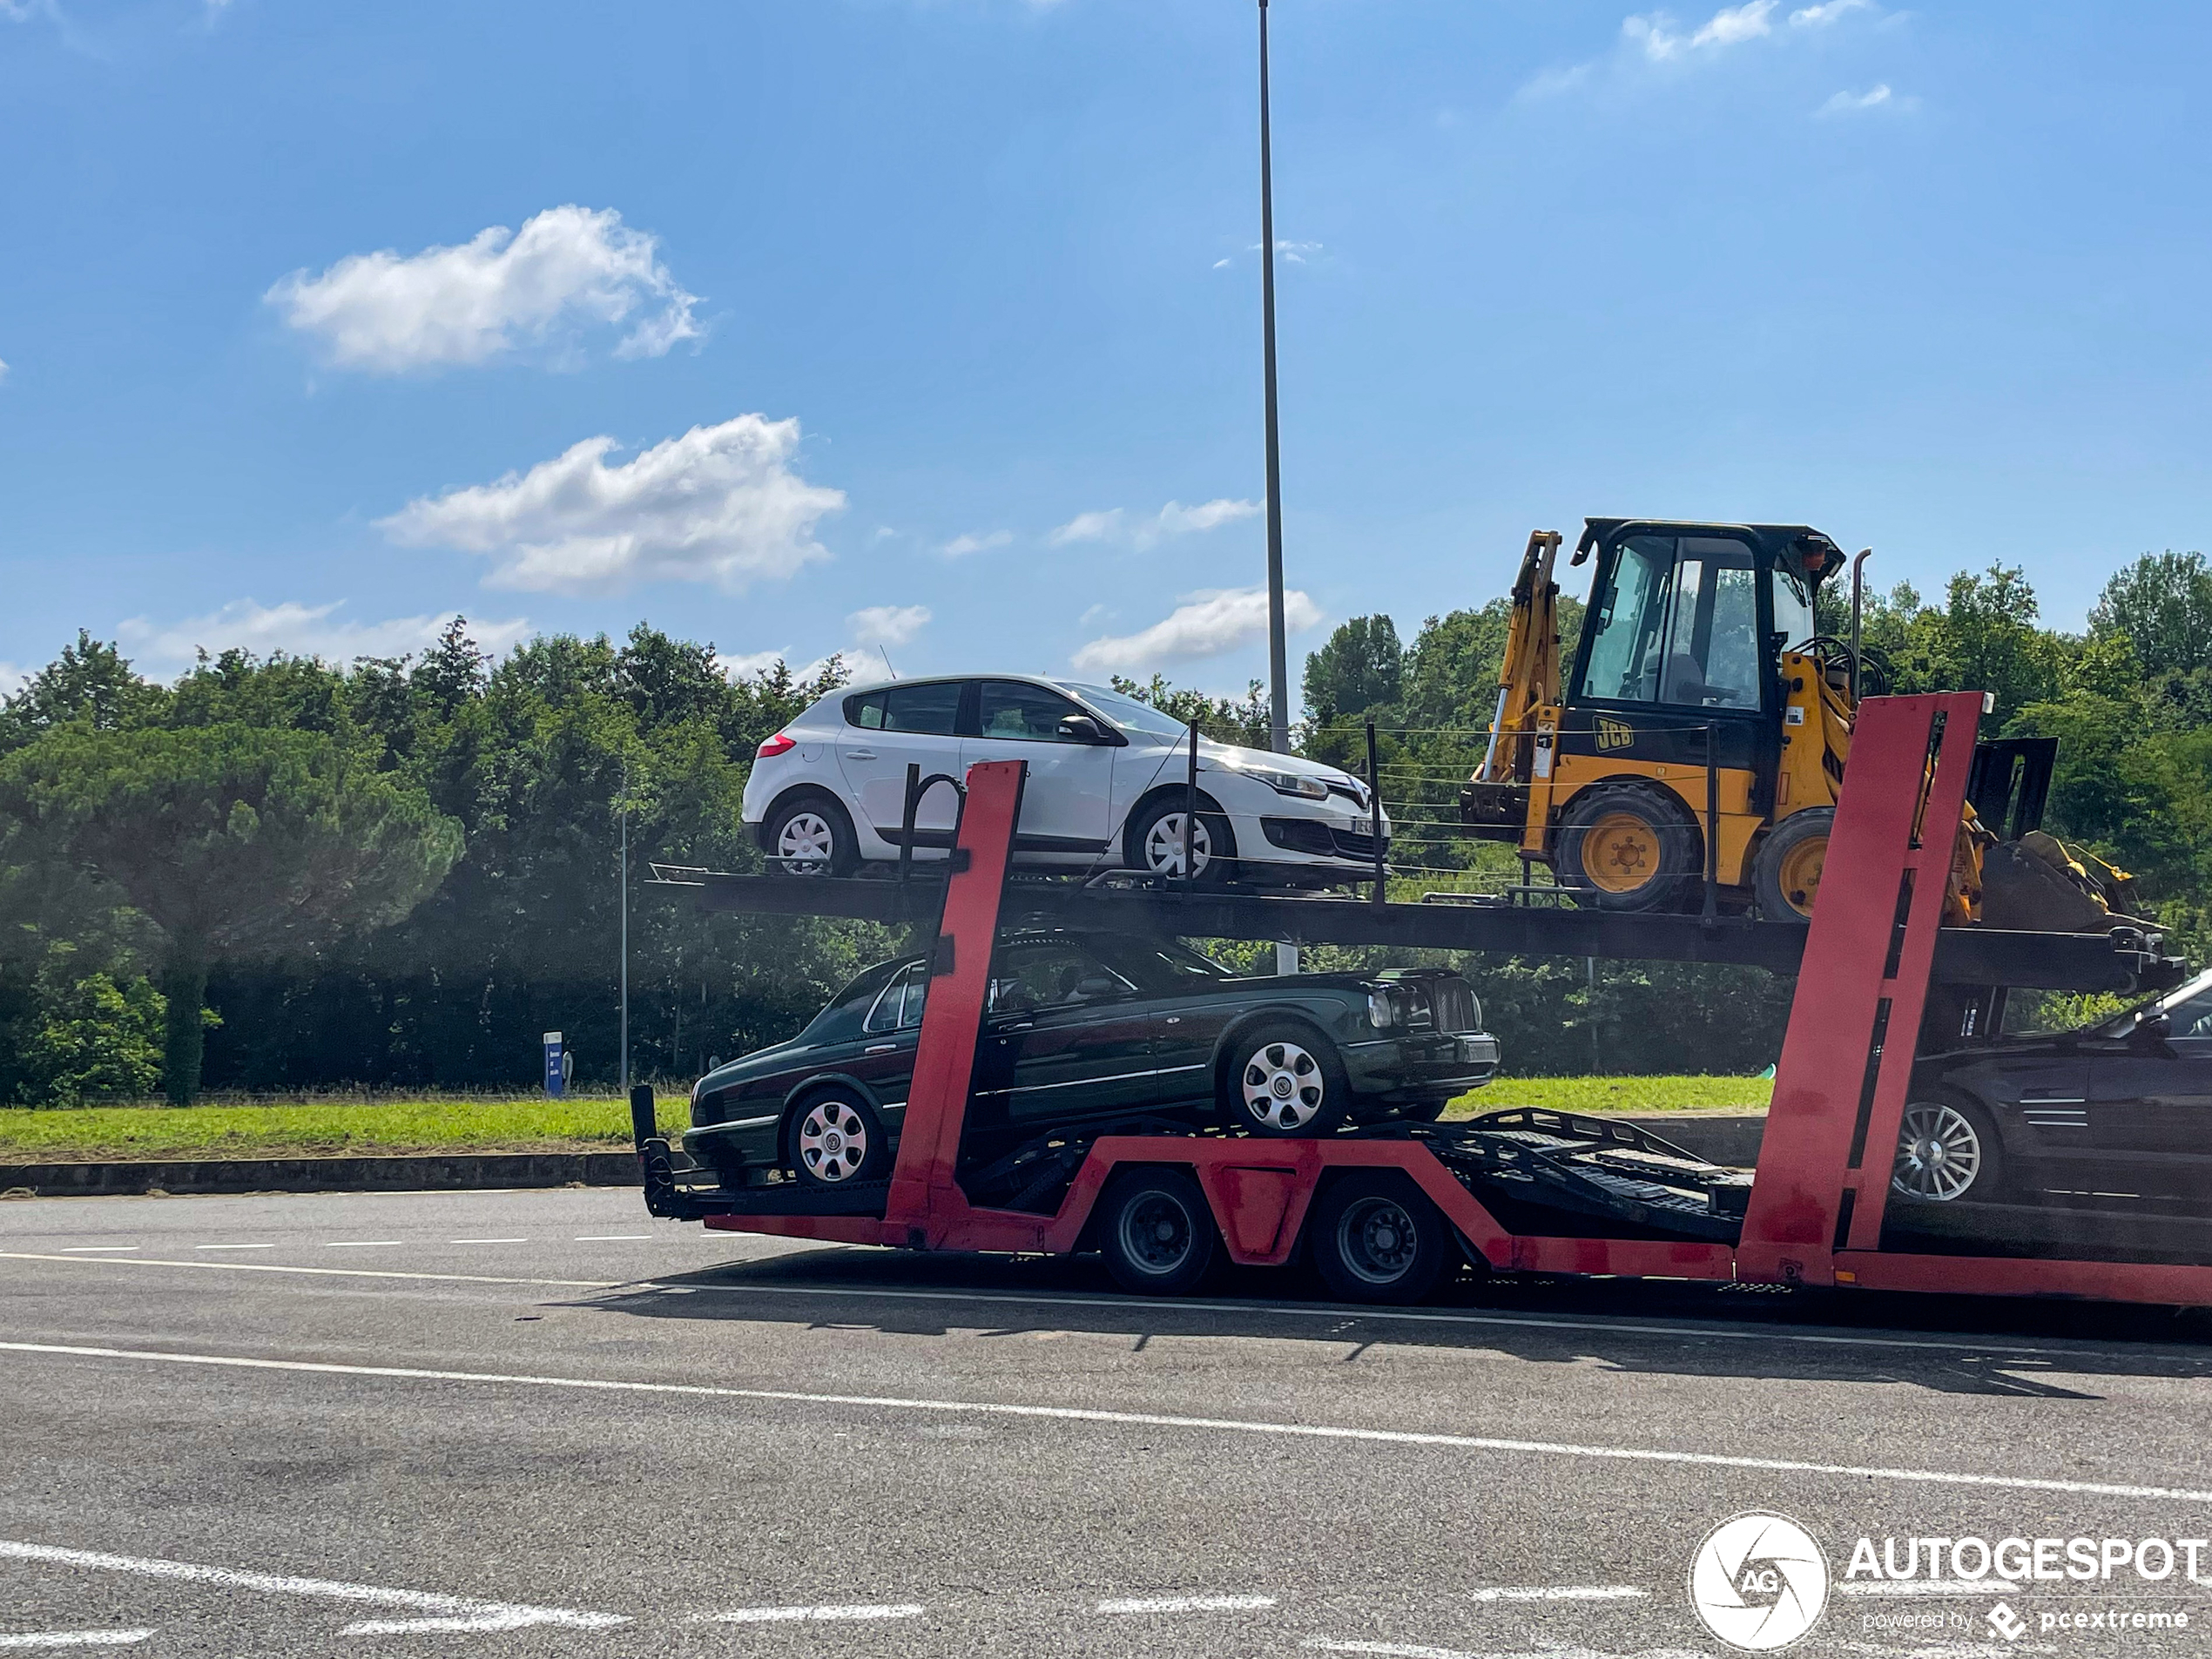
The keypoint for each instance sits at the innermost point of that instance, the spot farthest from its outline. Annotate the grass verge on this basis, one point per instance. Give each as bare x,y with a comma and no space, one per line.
334,1129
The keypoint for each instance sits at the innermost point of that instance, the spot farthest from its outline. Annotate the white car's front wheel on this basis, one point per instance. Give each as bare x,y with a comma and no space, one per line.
1156,839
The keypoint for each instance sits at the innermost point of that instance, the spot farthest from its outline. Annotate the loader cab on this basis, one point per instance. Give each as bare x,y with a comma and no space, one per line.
1684,627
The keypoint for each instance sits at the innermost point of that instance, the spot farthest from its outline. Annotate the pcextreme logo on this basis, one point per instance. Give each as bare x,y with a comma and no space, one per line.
1758,1582
1615,734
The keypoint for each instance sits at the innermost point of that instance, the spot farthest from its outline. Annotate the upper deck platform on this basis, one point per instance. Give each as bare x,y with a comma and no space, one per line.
2124,961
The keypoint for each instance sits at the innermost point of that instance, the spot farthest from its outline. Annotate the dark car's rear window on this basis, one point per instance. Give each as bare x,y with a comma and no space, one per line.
850,1006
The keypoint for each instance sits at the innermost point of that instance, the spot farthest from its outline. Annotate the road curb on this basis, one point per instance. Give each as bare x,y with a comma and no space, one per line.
418,1174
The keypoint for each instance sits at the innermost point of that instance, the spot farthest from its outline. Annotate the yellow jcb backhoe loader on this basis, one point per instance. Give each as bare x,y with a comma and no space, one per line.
1701,684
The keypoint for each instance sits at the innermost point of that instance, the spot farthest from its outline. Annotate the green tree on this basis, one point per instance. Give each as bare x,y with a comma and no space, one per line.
93,1039
2162,604
1358,671
232,839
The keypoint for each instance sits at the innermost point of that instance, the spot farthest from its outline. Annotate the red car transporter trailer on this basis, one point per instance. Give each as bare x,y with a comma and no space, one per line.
1815,1213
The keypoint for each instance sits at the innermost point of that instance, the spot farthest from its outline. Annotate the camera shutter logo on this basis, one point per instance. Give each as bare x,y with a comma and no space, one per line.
1758,1582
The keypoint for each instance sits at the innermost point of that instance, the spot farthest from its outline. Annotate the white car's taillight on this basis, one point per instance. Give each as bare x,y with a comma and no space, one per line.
780,743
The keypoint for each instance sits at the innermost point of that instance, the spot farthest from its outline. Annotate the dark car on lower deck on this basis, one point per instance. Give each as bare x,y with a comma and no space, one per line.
2115,1116
1095,1027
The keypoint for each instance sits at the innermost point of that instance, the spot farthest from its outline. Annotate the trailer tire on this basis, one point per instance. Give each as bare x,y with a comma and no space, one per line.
1283,1080
1786,875
1376,1238
1628,848
834,1138
1156,1230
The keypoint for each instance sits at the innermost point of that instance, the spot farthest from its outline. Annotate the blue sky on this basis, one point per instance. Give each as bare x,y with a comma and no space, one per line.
932,326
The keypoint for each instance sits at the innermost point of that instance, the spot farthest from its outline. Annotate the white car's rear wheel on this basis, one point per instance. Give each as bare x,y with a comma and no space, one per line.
810,833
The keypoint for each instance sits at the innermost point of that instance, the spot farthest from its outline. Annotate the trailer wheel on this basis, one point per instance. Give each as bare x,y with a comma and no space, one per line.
1156,1231
834,1138
1628,847
1376,1238
1947,1151
1787,872
1284,1079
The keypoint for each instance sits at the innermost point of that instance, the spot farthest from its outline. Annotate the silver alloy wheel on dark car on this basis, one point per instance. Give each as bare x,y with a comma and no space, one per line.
1940,1153
1283,1087
832,1140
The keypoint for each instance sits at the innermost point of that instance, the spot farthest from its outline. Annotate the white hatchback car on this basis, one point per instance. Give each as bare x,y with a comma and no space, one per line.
1109,778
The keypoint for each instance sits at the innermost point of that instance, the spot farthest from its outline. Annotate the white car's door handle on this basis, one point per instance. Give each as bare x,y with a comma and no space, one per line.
859,754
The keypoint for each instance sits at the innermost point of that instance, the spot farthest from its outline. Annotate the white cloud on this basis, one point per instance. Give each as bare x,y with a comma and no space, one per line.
1203,624
1088,527
566,269
1659,41
1819,17
1874,97
888,625
1174,519
739,668
12,679
3,371
962,546
719,504
300,630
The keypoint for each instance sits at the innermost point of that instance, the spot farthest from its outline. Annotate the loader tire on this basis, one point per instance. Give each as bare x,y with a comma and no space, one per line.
1628,847
1786,875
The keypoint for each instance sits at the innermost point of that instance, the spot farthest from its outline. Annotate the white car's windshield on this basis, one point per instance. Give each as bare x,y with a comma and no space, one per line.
1127,712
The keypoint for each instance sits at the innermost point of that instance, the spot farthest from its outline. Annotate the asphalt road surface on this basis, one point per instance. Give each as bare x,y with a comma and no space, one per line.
540,1423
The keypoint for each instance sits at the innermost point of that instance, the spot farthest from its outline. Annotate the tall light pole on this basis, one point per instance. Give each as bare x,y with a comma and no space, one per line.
1278,667
625,928
1278,710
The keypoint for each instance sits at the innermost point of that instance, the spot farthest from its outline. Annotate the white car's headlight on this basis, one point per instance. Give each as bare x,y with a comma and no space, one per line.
1288,783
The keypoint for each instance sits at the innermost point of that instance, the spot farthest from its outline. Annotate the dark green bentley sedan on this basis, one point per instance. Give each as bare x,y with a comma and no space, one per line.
1087,1027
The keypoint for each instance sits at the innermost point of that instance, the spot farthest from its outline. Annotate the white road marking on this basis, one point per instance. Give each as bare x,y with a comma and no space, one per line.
462,1612
792,1615
609,1238
1391,1649
1187,1604
1289,1311
233,1246
340,1272
1558,1593
75,1639
360,1243
1149,1419
91,1249
487,1241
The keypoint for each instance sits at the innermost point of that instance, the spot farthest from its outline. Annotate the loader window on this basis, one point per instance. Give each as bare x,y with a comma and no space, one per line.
1712,640
1625,653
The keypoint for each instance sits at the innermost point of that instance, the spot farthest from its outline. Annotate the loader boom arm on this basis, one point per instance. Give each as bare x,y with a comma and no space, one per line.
1529,678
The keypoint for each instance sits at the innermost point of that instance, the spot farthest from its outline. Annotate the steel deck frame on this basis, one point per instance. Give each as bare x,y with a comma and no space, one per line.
1819,1197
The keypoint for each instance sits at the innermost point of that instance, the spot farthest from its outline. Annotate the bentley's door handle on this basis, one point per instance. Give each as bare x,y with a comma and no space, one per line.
879,1048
